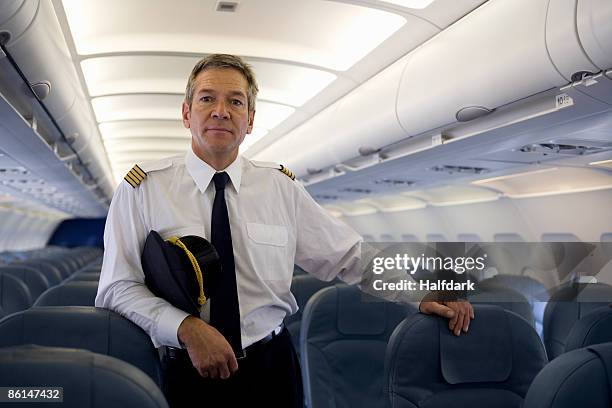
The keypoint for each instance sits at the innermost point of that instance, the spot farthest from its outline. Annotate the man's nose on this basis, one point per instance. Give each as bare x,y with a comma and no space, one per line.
220,111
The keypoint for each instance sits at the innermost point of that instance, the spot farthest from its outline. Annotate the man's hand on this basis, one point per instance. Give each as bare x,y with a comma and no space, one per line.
208,350
458,312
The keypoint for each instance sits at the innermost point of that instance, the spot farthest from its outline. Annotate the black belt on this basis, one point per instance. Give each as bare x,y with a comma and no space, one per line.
174,353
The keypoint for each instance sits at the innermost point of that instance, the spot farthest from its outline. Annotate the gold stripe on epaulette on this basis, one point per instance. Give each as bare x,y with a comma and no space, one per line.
287,172
135,176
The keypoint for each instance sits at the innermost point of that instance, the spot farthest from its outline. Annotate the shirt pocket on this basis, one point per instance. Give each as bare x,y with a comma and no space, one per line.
275,235
268,249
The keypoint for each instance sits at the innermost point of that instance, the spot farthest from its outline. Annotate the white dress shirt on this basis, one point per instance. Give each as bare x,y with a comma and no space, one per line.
274,224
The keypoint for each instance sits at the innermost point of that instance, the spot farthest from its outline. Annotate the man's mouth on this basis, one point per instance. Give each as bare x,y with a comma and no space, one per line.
219,129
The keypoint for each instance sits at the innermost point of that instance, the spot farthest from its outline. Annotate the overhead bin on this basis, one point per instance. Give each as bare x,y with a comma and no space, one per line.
502,52
595,31
34,39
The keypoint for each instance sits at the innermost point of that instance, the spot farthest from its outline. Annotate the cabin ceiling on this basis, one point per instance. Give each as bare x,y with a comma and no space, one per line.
133,59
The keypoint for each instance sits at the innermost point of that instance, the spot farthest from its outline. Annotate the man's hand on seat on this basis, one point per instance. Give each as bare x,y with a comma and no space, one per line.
458,312
209,351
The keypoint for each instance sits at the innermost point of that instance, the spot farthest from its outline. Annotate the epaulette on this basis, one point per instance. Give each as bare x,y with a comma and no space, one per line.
138,173
287,172
135,176
276,166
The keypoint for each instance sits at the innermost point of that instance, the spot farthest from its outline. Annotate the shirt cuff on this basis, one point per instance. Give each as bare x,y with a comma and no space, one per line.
168,324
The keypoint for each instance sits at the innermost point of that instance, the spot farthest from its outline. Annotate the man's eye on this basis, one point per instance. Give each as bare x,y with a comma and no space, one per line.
237,102
206,98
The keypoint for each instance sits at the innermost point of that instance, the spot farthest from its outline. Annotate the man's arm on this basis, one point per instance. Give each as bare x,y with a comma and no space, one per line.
121,286
328,248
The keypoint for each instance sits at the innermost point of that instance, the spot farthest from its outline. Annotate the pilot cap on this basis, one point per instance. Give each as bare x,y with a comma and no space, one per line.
180,270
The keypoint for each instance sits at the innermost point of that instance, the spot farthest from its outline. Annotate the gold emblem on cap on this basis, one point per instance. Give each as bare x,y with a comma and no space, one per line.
135,176
287,172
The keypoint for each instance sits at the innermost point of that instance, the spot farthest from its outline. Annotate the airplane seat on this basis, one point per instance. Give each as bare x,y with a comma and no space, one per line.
51,272
534,291
568,304
62,265
298,271
302,287
14,294
88,268
84,277
98,330
343,338
69,294
89,380
35,280
506,298
594,328
579,378
492,365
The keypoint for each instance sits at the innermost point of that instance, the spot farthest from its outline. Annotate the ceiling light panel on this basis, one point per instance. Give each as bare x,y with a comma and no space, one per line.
135,129
455,195
129,74
549,181
140,106
143,144
317,32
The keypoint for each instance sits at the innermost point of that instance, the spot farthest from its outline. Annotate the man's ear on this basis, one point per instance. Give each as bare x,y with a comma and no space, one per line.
186,115
251,119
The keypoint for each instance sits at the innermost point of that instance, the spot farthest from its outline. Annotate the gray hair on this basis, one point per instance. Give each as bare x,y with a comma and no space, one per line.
224,61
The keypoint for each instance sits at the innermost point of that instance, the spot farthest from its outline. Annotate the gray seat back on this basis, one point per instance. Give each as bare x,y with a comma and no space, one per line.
343,339
302,287
491,365
70,294
98,330
593,328
503,297
14,294
35,280
579,378
534,291
89,380
567,305
53,275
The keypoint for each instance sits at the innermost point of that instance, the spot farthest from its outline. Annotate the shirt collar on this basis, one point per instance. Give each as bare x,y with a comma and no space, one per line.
202,173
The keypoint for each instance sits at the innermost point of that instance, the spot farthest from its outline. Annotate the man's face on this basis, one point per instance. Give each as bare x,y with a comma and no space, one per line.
218,117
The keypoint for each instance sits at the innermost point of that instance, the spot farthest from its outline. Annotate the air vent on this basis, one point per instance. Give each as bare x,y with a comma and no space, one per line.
356,190
325,197
227,6
558,148
393,182
459,169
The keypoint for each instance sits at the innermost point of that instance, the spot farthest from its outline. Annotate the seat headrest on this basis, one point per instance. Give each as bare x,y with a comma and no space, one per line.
484,356
98,330
73,293
88,379
567,304
344,310
594,328
506,298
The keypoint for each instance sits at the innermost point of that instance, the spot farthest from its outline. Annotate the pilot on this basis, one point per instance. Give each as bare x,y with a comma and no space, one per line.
261,222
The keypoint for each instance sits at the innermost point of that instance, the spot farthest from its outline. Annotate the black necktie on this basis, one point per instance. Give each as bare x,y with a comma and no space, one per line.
224,310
